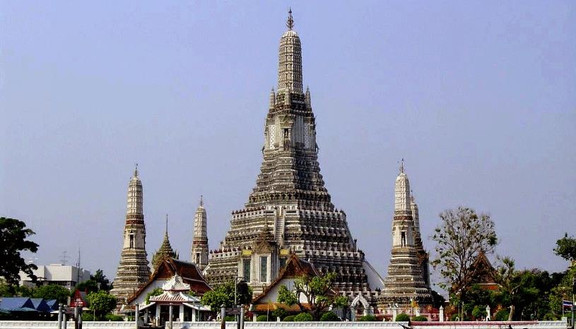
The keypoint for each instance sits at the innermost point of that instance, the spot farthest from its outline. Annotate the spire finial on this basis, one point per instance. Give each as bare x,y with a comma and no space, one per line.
290,22
166,224
402,166
136,170
201,201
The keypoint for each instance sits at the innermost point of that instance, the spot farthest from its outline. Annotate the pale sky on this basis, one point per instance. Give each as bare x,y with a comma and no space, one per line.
478,97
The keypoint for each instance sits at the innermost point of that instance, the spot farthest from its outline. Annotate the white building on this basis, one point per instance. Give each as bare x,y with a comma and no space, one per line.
64,275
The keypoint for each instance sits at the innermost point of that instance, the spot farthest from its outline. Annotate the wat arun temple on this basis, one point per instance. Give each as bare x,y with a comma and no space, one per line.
290,212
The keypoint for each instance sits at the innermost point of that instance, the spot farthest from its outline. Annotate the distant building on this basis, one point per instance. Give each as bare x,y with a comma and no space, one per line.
64,275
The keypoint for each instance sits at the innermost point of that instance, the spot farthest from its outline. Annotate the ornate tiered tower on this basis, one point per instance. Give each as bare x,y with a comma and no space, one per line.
289,210
133,270
199,250
405,282
165,250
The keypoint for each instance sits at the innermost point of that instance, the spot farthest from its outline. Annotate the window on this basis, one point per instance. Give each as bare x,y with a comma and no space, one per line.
131,241
263,269
403,239
197,258
246,269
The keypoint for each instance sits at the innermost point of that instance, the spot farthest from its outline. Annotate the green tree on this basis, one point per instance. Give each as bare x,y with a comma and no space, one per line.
101,279
566,248
101,302
13,241
155,292
224,295
460,238
316,291
52,291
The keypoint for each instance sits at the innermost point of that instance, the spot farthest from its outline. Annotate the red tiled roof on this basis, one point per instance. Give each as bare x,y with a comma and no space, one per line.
168,268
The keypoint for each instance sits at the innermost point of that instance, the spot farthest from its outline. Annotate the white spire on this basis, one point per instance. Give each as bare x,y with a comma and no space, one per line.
290,60
402,193
135,195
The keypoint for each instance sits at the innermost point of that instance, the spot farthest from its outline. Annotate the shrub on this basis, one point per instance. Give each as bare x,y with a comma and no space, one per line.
303,317
114,317
289,318
478,312
367,318
420,318
329,316
262,318
402,317
87,316
550,317
501,315
279,313
229,318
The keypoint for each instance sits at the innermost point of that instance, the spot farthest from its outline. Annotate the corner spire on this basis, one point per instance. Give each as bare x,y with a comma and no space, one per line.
290,21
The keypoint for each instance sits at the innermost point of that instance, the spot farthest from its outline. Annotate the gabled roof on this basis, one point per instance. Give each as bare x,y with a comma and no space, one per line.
295,267
17,304
40,305
170,267
483,270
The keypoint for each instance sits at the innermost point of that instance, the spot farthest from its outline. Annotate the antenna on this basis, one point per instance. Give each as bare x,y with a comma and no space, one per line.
64,258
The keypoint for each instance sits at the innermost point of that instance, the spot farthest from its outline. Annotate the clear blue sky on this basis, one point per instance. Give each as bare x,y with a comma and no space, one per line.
479,97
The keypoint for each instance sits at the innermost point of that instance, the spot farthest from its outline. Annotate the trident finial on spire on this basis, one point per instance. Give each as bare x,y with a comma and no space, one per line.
201,201
136,170
290,22
402,166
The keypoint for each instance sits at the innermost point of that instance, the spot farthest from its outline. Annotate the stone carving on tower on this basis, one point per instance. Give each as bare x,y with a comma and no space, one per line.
133,270
165,250
199,250
290,209
406,283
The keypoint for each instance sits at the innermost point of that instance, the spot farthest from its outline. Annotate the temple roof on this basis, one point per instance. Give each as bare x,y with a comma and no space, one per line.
187,271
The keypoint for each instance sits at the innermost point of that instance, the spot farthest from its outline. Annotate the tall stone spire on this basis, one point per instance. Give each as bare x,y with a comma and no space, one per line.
199,250
133,270
165,250
405,281
290,200
423,257
290,60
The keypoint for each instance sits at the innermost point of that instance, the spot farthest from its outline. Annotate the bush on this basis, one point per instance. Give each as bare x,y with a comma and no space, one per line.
88,316
367,318
229,318
402,317
114,317
303,317
329,316
262,318
289,318
478,312
279,313
501,315
550,317
420,318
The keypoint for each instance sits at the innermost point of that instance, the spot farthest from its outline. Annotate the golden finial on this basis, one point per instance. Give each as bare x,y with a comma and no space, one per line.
290,22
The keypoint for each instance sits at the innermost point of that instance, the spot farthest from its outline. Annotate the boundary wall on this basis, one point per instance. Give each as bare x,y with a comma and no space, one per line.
301,325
